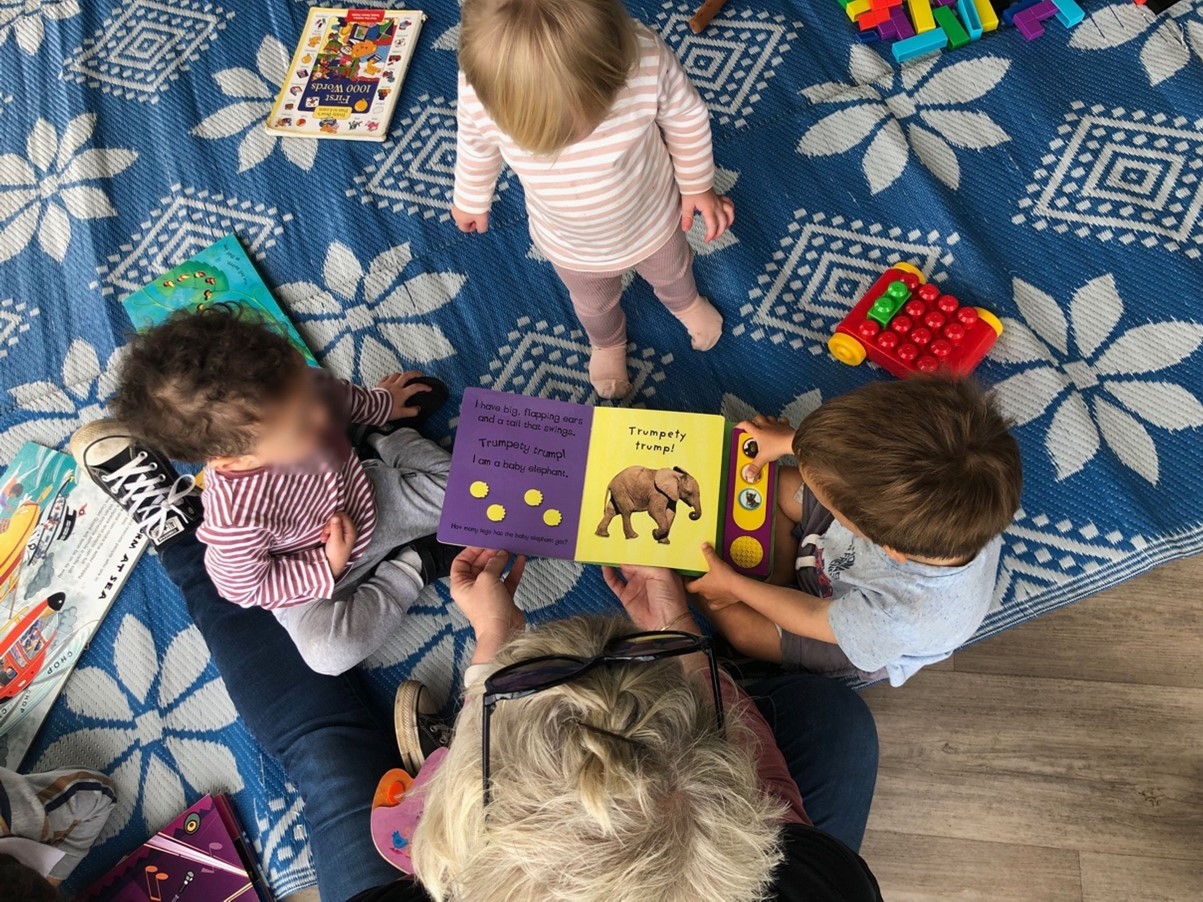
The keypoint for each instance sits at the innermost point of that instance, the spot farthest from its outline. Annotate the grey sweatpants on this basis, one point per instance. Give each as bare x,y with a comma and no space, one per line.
334,634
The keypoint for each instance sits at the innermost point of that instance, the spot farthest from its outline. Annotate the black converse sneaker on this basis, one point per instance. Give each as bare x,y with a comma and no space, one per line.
420,730
163,503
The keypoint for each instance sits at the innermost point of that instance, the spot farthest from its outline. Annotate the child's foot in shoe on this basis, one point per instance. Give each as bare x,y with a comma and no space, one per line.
608,371
163,503
420,731
704,323
436,557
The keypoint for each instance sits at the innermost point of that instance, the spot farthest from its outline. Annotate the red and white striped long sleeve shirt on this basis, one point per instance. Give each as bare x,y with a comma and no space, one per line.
613,199
264,527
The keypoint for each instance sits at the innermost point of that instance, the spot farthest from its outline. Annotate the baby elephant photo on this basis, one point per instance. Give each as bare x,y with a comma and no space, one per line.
654,491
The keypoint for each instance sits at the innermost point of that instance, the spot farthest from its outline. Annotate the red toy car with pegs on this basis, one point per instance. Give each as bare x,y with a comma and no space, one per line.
906,325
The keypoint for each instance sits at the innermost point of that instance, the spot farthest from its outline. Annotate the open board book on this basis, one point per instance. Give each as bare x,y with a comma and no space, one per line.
346,74
604,484
220,274
66,550
201,856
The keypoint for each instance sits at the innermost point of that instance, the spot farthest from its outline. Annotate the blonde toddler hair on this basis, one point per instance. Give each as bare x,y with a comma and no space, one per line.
547,71
616,787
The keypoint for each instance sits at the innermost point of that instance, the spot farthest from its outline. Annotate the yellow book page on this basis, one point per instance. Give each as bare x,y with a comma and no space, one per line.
652,485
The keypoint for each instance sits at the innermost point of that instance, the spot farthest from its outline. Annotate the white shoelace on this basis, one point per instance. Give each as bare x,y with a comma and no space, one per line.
149,500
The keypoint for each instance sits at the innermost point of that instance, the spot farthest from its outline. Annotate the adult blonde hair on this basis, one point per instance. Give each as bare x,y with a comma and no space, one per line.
547,71
615,787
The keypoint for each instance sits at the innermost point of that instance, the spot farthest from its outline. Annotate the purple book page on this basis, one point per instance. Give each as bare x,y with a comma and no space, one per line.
517,473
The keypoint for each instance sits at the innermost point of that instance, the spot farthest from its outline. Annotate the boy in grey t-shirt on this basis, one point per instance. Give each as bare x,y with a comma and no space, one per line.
895,511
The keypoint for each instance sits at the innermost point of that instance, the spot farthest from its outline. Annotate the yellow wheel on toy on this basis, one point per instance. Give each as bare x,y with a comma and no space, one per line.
914,270
990,320
846,349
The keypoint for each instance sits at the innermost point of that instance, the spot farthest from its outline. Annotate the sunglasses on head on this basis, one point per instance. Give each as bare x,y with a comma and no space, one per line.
523,678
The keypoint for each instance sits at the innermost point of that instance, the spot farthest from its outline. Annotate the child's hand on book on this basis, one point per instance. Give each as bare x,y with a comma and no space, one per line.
402,388
338,535
717,587
469,222
774,438
718,212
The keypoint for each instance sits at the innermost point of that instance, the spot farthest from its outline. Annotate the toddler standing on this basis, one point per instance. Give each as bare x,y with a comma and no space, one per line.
336,548
612,145
895,512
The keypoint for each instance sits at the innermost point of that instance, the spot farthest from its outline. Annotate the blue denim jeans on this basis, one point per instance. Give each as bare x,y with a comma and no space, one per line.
334,749
331,745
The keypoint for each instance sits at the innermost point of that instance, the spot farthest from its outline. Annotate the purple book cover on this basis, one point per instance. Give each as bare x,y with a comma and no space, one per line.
517,473
195,858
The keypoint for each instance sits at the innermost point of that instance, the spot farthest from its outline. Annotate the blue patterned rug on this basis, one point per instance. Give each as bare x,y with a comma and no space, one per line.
1056,182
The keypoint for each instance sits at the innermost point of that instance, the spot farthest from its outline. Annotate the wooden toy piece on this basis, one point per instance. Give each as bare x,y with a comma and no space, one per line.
970,19
947,20
985,12
856,9
901,24
1069,13
873,18
919,45
705,13
928,333
1029,21
921,16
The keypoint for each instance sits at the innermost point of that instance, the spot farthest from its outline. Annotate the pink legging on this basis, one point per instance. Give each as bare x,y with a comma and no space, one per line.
597,296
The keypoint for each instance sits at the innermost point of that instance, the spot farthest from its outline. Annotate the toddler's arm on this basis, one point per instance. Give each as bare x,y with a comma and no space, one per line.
477,161
684,121
793,610
244,570
356,404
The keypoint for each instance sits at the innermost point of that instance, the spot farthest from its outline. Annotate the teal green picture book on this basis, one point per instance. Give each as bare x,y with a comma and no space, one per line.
220,274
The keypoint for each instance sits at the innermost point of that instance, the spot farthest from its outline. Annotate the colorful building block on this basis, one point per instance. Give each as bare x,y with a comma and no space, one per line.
856,9
1028,20
1069,13
873,18
1009,14
902,25
919,45
970,19
985,12
947,20
868,37
929,333
921,16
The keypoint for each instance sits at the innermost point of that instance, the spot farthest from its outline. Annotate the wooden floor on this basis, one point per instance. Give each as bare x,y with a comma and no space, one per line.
1061,761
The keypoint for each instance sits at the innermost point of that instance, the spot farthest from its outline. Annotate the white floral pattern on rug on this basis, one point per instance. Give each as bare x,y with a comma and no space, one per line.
253,94
53,411
735,409
1083,370
25,20
153,726
43,191
1168,41
925,107
367,323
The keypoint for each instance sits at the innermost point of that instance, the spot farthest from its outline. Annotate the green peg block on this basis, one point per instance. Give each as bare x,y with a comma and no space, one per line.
890,302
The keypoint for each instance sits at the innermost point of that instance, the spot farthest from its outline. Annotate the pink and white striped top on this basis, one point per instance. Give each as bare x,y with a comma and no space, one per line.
613,199
264,527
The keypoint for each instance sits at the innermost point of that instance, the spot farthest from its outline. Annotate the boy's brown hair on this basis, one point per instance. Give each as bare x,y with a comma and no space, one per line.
925,466
197,386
